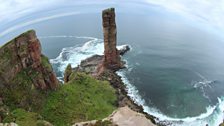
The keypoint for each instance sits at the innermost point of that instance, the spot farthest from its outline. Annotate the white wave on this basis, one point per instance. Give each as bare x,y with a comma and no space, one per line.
85,37
202,85
73,55
213,115
204,82
66,36
57,36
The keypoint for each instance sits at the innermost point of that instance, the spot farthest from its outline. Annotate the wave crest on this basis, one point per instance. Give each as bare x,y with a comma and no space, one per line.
74,55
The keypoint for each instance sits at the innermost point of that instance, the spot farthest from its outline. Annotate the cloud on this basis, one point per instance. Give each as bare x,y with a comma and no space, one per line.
35,21
13,9
210,12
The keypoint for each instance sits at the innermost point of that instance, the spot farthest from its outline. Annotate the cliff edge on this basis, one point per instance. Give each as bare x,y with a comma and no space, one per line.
24,70
105,67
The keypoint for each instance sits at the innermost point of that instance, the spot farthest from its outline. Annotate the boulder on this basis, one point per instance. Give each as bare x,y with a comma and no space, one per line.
68,72
124,49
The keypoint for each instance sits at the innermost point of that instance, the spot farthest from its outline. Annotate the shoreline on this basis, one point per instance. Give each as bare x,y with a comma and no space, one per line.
122,94
90,65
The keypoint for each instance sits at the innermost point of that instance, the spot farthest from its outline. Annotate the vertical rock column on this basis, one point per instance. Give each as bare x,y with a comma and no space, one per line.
111,54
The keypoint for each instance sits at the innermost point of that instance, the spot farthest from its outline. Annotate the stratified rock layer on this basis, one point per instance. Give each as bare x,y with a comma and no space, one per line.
26,75
24,54
111,54
105,67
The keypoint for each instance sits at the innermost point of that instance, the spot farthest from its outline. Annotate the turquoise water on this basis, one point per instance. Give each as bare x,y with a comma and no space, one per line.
175,68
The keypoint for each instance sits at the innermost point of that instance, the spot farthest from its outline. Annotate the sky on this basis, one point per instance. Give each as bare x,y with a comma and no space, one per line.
209,12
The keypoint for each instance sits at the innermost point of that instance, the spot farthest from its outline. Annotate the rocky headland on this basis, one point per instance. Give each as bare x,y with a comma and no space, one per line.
24,71
31,95
23,55
105,67
26,75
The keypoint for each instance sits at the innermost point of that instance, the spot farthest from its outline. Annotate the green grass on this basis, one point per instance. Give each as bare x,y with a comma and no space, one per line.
82,99
45,62
18,89
21,93
103,123
25,118
6,55
22,117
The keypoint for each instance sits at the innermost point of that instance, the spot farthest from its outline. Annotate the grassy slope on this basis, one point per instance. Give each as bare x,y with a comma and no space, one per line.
22,117
23,93
83,98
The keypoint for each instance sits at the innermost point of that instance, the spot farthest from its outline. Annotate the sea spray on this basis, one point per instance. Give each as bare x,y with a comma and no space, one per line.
74,55
213,115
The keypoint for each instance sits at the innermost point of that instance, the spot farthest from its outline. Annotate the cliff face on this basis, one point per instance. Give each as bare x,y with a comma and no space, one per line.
24,72
24,54
111,54
68,72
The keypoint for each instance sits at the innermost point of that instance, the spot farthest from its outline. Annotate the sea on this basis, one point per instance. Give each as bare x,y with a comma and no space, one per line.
175,68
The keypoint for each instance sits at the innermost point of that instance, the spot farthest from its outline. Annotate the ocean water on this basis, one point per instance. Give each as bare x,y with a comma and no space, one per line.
174,69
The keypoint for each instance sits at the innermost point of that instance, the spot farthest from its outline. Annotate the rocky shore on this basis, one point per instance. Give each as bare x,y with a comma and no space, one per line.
31,95
90,66
105,67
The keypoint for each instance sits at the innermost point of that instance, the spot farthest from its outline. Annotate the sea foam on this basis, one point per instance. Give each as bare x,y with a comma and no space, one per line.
213,115
74,55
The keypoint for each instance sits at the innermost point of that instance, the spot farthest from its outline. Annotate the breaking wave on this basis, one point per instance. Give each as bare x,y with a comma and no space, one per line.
203,84
74,55
213,115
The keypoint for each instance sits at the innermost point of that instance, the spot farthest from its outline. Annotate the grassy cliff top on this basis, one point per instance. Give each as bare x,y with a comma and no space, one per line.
23,34
81,99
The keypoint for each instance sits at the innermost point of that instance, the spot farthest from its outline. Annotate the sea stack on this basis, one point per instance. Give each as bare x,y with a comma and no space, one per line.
111,54
98,65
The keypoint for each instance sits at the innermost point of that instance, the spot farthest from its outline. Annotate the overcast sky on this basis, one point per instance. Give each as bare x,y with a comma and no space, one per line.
210,12
206,11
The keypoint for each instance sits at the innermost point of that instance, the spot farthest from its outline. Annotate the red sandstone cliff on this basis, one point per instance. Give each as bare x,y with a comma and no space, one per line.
25,74
23,54
21,63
